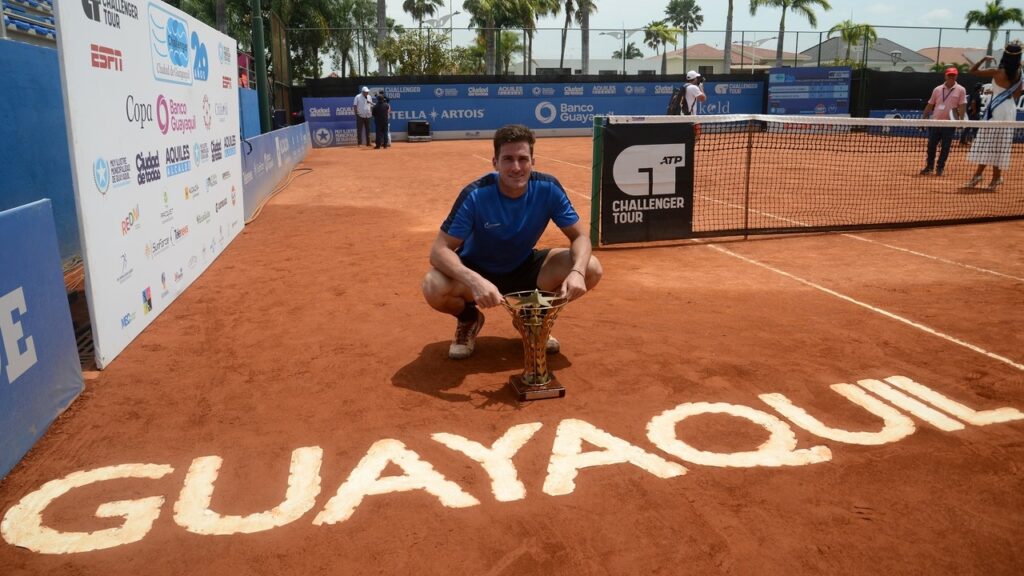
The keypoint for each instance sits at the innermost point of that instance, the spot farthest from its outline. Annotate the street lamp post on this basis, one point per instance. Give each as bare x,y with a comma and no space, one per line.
439,24
896,56
754,44
622,35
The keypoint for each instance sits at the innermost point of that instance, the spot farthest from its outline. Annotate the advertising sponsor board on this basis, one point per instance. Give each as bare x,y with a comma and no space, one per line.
476,110
647,182
816,91
148,124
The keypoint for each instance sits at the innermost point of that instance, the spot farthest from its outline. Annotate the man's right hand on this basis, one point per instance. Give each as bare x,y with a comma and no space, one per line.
485,294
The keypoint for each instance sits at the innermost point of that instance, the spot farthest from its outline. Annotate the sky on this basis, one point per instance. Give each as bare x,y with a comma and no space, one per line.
626,14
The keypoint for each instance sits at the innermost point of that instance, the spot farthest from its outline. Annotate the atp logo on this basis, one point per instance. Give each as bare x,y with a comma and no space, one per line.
649,169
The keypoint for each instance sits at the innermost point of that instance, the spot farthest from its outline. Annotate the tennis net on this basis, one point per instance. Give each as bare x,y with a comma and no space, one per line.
756,174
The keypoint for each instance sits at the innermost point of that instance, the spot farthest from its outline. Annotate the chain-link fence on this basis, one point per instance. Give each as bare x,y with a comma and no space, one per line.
635,51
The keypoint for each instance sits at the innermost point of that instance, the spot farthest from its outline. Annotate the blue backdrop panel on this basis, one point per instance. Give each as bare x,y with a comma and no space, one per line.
39,368
36,163
817,91
476,110
249,112
271,159
331,121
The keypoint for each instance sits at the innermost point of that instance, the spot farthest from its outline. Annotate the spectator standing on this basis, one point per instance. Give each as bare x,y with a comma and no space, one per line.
362,105
381,121
948,99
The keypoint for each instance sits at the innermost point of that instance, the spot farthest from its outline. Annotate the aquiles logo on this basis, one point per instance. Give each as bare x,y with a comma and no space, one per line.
178,159
109,12
173,116
106,58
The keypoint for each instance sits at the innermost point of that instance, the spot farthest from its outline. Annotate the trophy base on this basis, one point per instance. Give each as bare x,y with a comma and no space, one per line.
525,392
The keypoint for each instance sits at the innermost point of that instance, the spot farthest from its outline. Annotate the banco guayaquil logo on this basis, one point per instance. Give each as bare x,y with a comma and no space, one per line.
648,169
178,56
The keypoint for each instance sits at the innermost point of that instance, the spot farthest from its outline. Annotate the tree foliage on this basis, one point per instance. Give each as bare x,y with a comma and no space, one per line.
804,7
632,52
993,17
854,35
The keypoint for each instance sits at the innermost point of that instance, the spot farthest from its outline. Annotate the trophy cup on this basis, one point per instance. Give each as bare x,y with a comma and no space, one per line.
533,314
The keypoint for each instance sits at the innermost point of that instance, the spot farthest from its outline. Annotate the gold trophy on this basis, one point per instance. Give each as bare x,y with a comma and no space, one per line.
533,314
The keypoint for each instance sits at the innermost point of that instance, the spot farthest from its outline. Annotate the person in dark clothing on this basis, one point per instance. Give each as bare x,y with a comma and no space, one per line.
381,121
973,112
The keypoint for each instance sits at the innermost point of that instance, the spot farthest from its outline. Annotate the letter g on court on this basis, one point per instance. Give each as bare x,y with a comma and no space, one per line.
648,169
545,112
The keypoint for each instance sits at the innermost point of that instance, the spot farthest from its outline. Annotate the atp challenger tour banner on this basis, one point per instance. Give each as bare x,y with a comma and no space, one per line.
457,111
647,182
152,117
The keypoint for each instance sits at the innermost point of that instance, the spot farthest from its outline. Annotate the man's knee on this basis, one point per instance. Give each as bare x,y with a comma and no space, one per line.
594,272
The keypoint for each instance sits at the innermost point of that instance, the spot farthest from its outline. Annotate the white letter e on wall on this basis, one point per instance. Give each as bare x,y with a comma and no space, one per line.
10,331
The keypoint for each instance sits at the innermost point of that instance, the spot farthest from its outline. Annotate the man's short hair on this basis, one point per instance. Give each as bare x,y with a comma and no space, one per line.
511,133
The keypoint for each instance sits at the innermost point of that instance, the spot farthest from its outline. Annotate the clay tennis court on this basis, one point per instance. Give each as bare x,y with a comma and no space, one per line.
306,347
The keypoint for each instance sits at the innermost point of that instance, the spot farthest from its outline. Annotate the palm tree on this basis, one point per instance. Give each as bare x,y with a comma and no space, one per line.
727,64
482,14
631,52
685,15
584,9
853,34
420,9
802,6
657,34
532,10
510,44
993,17
382,34
570,13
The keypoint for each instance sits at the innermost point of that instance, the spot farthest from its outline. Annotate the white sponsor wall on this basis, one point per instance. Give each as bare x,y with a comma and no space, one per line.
153,125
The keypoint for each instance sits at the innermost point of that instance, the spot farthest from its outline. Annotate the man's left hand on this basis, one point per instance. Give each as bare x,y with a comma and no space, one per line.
573,286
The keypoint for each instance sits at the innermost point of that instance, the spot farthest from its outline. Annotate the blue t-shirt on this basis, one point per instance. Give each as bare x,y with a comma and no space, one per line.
498,232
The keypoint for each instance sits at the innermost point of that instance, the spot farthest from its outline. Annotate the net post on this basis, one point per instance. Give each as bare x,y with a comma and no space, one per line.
746,178
595,180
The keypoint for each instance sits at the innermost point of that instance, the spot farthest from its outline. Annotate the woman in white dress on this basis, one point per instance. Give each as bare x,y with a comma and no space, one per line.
992,145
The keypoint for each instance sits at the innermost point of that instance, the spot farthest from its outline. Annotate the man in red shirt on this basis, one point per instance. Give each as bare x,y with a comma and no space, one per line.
948,99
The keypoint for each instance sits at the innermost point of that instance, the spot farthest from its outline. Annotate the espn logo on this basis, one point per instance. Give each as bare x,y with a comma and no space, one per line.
106,58
225,81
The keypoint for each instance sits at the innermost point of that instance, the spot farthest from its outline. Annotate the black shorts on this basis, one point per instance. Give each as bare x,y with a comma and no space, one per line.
523,278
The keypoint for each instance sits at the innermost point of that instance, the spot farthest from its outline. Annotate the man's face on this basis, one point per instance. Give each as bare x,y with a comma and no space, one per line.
950,79
514,165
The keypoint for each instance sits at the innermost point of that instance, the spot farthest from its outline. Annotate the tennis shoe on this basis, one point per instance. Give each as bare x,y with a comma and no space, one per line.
938,172
994,185
926,171
465,338
973,182
552,346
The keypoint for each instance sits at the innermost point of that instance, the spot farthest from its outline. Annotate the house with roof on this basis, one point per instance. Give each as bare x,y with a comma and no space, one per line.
958,56
883,54
949,54
708,59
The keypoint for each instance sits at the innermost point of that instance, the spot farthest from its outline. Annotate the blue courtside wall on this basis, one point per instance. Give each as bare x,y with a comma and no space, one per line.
249,112
39,368
36,162
270,160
